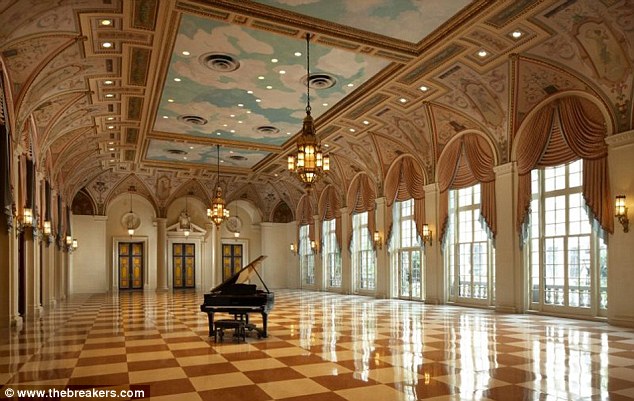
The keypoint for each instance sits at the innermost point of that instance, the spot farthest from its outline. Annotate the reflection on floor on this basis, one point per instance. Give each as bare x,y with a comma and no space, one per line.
321,347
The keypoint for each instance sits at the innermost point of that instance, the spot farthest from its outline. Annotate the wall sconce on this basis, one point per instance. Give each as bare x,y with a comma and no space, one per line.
69,240
75,244
378,241
314,246
46,228
130,231
427,235
293,248
621,213
28,217
186,232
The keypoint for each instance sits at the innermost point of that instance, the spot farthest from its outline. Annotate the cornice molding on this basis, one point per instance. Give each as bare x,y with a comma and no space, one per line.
620,139
506,168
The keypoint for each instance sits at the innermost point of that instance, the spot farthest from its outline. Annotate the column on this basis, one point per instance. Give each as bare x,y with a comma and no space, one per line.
32,270
319,271
383,275
5,272
509,269
47,251
161,254
346,260
209,254
435,288
620,244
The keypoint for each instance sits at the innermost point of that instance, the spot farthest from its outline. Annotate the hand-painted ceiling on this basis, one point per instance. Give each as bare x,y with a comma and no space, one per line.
246,85
409,20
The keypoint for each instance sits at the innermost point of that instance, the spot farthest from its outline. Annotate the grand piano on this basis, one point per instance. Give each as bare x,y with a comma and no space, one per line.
235,296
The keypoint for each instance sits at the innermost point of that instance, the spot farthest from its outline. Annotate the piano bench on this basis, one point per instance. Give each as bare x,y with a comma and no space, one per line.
239,327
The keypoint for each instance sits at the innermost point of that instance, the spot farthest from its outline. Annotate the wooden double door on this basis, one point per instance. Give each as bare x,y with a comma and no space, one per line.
184,265
130,265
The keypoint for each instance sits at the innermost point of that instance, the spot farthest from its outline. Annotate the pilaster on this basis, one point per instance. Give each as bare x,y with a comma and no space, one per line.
509,269
435,292
384,282
161,254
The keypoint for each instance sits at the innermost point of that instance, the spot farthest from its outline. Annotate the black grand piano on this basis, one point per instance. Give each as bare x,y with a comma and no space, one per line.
236,297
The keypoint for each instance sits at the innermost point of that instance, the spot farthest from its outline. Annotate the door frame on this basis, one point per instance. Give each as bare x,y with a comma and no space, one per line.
245,253
197,242
114,277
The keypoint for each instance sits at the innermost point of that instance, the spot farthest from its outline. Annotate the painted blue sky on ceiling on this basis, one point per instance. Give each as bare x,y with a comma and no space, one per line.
265,91
409,20
161,150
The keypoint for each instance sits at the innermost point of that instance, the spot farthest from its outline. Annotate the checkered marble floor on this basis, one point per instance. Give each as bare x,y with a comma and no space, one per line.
322,347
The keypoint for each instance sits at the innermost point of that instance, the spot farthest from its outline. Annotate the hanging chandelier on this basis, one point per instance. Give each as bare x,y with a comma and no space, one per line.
309,164
130,222
218,213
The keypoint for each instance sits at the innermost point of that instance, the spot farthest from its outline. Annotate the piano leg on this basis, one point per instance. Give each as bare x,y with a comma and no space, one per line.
265,317
210,316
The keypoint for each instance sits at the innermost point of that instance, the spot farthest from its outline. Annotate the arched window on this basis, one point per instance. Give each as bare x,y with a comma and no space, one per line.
567,259
331,254
361,200
306,256
330,214
467,208
406,197
469,252
363,256
563,176
406,252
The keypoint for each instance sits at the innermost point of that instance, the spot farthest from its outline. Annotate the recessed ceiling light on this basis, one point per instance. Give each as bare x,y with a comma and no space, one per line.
222,161
240,122
186,53
240,105
261,77
110,118
248,111
232,115
110,143
326,145
105,22
298,54
177,79
517,34
402,100
109,95
352,130
250,92
269,87
184,157
258,100
191,147
288,133
350,85
108,82
424,88
170,100
274,60
224,125
282,72
106,45
165,117
111,160
366,122
218,133
111,149
482,53
111,127
231,152
275,174
232,131
324,104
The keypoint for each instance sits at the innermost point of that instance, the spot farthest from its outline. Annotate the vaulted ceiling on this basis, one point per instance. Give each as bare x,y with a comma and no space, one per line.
106,93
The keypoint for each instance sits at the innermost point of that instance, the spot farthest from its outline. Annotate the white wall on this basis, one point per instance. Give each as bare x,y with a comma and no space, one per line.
280,261
88,268
146,231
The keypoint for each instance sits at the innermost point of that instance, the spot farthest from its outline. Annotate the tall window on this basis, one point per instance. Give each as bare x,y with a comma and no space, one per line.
567,260
405,248
331,254
363,257
306,256
470,254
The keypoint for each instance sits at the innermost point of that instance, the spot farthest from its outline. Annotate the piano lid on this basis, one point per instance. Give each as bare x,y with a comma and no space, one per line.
243,275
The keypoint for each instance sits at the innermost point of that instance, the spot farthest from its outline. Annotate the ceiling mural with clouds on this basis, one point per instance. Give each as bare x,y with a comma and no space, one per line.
103,93
248,85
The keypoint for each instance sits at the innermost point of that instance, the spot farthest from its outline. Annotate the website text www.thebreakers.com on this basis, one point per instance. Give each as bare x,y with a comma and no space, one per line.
37,392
